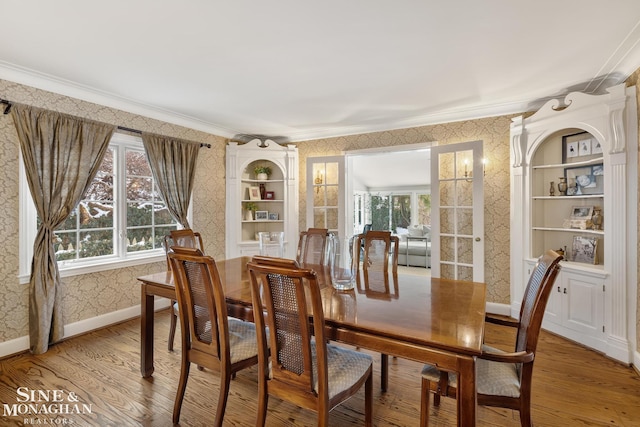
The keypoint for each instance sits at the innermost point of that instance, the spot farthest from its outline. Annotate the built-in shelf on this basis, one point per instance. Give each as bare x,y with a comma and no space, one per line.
243,188
587,302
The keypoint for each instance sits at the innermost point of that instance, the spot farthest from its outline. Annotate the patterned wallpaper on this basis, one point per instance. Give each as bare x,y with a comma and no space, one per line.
94,294
494,132
91,295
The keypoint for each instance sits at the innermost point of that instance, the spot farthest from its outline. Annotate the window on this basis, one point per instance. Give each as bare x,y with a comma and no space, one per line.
388,211
120,218
424,208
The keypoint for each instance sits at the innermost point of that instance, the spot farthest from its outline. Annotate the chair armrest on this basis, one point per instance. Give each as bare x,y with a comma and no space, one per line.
504,321
519,357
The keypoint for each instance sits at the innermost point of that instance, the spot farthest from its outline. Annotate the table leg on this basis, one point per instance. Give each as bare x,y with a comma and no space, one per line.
384,371
467,397
146,333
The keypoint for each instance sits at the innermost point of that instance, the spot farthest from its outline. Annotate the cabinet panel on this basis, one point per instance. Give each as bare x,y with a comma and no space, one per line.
583,303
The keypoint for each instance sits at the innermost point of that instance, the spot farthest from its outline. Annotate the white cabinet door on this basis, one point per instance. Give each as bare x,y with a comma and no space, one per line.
576,309
583,304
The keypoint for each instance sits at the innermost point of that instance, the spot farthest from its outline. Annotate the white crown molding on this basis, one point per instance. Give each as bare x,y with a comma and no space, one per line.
455,115
65,87
619,66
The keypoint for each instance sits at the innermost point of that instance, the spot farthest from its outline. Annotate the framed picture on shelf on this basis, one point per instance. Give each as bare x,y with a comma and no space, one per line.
579,147
269,195
570,146
584,180
596,147
273,216
254,193
581,212
262,215
584,249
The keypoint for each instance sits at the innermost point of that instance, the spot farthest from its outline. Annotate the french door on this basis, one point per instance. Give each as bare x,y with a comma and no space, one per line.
457,214
326,193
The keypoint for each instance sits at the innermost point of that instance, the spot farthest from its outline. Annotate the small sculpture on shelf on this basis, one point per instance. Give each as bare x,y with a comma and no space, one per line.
596,218
562,186
552,189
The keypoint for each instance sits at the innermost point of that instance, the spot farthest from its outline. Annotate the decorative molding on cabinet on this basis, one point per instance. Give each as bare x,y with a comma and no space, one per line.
590,304
240,162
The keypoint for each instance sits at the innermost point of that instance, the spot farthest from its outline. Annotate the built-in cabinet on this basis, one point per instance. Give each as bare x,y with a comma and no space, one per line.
587,144
258,202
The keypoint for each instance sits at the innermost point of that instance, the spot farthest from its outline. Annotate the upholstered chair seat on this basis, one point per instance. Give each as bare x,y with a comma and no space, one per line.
492,378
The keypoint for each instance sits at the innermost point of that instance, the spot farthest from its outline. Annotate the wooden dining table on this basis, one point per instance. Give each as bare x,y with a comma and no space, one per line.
425,319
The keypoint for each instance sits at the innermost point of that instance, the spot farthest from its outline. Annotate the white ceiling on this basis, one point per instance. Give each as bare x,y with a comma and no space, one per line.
305,70
410,170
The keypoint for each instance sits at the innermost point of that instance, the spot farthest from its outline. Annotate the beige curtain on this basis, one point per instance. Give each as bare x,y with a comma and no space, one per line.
173,164
61,156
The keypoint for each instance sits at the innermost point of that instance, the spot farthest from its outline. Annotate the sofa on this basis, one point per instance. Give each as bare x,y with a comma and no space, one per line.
415,246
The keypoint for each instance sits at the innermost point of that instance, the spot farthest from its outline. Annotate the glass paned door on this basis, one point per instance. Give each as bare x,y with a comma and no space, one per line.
325,193
457,211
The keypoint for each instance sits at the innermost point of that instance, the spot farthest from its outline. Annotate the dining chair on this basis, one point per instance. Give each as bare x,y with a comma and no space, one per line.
503,379
312,246
186,238
210,338
377,247
301,367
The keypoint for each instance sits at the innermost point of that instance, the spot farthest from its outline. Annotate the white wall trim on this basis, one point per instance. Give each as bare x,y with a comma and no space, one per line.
39,80
499,309
21,344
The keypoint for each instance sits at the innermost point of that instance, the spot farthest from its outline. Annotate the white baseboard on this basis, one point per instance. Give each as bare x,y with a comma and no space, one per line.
21,344
499,309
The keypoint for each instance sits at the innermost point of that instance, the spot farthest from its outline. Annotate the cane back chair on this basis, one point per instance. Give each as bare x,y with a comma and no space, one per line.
301,367
504,379
210,338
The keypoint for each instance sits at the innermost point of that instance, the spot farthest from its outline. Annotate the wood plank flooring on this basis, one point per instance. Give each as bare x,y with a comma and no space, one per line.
573,386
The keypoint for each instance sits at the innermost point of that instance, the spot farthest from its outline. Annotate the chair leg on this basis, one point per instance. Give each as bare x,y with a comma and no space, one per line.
182,386
225,381
525,410
436,399
384,371
424,403
172,327
263,401
368,401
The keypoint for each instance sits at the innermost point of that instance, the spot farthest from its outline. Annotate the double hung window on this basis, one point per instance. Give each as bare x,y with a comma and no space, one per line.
121,217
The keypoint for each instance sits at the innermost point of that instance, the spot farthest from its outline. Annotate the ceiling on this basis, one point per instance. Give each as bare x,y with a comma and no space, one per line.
411,170
307,70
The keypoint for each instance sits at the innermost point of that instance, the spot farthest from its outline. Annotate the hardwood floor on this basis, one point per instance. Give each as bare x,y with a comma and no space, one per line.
573,386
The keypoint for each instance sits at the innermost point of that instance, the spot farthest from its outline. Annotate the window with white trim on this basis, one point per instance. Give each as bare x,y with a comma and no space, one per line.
120,218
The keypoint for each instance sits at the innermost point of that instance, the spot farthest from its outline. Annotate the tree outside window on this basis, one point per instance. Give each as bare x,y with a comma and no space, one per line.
93,228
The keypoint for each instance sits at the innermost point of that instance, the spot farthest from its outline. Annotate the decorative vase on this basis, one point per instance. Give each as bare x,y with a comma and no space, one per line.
562,186
596,218
262,177
552,189
248,215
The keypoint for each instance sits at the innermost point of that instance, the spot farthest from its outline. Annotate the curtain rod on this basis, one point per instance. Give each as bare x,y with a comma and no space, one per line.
8,104
139,132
